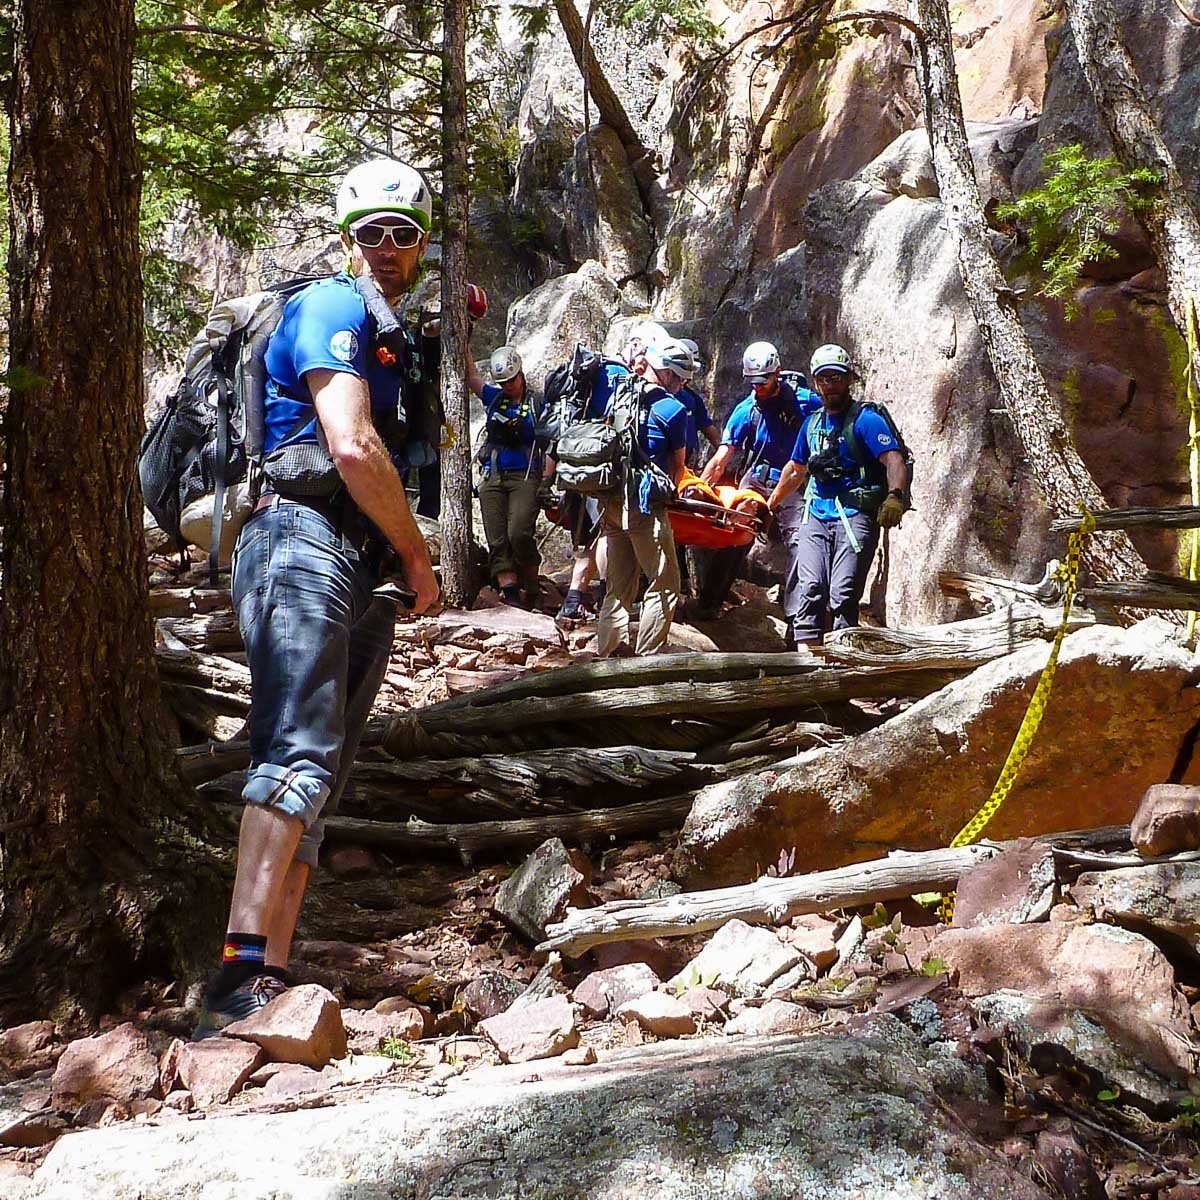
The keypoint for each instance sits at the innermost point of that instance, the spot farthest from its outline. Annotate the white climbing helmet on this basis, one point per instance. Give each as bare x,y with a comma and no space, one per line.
830,358
695,349
672,355
759,361
640,337
506,364
384,187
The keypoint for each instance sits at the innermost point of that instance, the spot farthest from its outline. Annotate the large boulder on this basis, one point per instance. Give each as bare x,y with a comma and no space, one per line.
1122,703
843,1118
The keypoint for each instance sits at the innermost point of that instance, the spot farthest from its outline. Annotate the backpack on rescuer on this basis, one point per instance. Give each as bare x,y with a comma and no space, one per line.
208,441
567,392
871,488
797,381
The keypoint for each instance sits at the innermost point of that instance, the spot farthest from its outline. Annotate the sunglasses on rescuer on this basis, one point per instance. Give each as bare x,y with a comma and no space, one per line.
403,237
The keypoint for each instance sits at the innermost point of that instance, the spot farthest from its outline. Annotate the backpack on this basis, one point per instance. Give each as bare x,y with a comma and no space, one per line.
593,457
871,489
201,461
796,380
567,392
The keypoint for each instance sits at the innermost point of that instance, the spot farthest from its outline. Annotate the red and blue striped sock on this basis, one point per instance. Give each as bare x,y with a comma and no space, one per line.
244,955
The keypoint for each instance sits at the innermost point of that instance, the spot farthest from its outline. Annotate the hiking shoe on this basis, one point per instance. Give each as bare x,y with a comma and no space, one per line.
244,1001
575,608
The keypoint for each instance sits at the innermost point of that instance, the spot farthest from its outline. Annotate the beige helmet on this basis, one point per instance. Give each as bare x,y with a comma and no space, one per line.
505,364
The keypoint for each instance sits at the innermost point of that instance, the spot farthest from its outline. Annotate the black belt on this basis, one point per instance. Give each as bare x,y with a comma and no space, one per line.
339,510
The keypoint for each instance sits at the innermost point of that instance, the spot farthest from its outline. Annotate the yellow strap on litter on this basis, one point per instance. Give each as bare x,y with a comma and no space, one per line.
1193,396
1068,572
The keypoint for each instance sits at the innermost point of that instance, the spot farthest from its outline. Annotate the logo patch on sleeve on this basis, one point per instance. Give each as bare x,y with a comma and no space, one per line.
884,439
344,344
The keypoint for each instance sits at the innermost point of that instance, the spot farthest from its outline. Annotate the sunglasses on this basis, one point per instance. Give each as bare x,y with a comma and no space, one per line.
403,237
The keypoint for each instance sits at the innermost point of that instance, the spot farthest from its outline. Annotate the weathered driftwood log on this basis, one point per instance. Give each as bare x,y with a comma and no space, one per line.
1154,590
1183,516
475,838
178,664
208,631
993,593
187,602
769,901
976,640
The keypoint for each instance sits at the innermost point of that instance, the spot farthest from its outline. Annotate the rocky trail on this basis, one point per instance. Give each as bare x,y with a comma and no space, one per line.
523,1008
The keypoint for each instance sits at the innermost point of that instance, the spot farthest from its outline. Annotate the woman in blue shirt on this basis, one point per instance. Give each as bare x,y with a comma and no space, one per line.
511,470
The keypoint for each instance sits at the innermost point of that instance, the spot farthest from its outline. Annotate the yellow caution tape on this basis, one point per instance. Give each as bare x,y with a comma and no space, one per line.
1193,395
1068,572
449,438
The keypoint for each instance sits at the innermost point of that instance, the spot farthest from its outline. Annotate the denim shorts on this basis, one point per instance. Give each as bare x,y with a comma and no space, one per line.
317,644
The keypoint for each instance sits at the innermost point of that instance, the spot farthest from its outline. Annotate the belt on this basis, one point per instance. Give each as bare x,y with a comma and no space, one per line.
338,510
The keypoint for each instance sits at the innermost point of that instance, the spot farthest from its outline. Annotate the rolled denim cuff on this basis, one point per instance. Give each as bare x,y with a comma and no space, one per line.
310,844
298,795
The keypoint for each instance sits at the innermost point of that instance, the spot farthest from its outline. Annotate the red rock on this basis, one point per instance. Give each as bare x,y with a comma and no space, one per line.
215,1070
581,1056
816,939
659,1013
1119,978
23,1047
490,993
539,1030
145,1108
180,1101
33,1131
603,992
367,1030
101,1113
1167,820
351,862
538,892
168,1067
705,1003
1067,1165
1015,887
398,1004
303,1025
664,956
116,1066
295,1080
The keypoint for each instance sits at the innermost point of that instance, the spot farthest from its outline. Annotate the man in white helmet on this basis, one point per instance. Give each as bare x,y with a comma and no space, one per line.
310,557
755,447
511,467
851,459
637,530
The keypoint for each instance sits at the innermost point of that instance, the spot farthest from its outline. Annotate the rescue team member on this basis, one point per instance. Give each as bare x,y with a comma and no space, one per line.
638,531
512,476
845,502
317,640
699,419
755,447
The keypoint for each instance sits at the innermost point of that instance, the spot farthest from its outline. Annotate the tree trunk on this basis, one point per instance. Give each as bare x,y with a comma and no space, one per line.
1172,223
457,539
96,869
1037,417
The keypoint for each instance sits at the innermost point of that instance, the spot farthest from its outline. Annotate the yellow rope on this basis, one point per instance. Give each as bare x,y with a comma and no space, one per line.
1193,396
1068,572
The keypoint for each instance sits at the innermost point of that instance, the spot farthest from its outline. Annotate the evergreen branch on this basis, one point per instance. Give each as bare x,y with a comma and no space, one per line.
210,31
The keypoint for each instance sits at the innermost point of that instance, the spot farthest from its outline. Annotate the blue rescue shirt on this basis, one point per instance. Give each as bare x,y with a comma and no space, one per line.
698,416
777,429
324,326
523,415
607,377
874,436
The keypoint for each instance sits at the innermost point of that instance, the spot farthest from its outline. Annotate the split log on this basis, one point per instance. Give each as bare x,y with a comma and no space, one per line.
975,641
1181,516
769,901
1154,590
208,631
992,593
475,838
196,669
187,602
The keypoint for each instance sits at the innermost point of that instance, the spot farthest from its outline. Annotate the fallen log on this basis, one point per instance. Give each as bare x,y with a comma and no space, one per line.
1155,590
473,838
769,901
1182,516
207,631
188,601
993,593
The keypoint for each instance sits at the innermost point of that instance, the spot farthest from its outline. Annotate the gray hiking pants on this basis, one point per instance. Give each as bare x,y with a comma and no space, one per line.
826,572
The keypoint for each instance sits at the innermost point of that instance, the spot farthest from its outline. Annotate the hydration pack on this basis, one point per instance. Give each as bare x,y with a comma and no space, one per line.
567,392
869,485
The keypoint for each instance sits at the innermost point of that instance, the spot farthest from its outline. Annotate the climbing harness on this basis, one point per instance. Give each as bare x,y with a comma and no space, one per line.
1068,573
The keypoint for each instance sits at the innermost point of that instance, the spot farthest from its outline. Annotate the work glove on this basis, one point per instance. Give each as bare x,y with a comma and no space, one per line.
890,512
477,302
547,494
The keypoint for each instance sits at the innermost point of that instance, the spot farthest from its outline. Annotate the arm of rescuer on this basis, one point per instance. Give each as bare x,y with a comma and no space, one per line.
343,406
795,474
718,465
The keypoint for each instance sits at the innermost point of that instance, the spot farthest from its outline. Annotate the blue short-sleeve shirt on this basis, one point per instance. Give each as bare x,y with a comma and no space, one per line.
607,377
768,441
324,326
698,416
523,418
873,434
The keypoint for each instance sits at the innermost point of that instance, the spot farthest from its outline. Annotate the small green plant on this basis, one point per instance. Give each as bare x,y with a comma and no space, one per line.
878,917
692,979
933,966
1108,1095
1068,218
398,1049
1189,1112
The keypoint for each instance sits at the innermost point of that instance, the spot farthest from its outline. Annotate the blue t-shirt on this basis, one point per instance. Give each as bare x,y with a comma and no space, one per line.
602,390
873,435
663,429
698,416
324,326
523,415
777,428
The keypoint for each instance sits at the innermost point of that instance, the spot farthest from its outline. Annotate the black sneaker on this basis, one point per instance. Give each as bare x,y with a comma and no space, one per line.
244,1001
574,608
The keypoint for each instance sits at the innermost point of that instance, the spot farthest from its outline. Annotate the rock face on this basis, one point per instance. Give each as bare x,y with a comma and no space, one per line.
1156,900
1123,700
538,891
1167,820
768,1118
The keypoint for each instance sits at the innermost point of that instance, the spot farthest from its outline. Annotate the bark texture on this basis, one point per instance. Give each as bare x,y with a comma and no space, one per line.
457,540
1037,417
1172,223
95,872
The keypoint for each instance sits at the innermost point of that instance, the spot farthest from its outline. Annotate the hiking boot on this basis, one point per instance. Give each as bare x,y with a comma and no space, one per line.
575,609
244,1001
